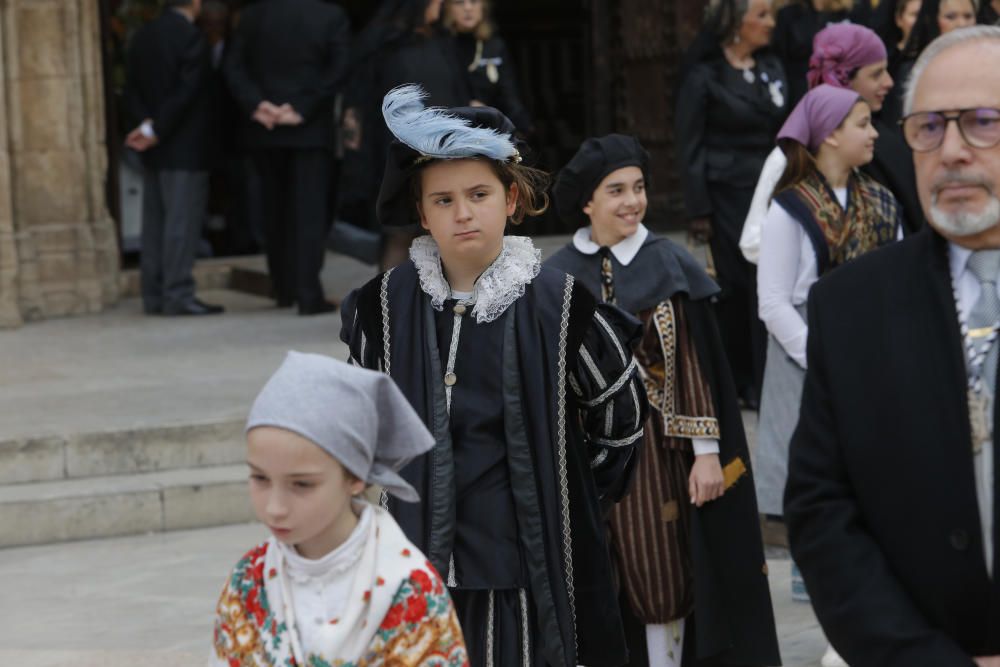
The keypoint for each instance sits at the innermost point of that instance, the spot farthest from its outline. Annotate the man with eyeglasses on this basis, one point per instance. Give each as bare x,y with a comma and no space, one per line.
890,499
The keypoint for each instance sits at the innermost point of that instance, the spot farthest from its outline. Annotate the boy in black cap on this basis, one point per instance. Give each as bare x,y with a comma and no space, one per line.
525,381
686,536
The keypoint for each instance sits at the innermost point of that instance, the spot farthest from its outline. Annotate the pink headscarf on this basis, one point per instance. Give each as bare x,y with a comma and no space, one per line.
839,49
818,114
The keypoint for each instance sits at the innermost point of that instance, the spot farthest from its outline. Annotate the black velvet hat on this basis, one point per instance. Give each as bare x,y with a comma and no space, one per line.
596,158
423,134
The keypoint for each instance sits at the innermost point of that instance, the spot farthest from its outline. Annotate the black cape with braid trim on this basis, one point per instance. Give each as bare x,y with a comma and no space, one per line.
576,604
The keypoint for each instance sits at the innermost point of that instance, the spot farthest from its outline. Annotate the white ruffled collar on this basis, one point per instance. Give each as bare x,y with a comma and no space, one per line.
499,286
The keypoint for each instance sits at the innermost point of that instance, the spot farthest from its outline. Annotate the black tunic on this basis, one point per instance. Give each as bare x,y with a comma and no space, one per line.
486,553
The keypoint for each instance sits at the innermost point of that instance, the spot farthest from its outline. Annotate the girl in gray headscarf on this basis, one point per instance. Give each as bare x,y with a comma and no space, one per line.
337,583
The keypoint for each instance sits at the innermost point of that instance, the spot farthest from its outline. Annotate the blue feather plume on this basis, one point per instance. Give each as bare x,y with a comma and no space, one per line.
433,132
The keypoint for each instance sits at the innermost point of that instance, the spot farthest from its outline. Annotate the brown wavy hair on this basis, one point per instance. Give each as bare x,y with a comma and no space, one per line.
532,186
801,164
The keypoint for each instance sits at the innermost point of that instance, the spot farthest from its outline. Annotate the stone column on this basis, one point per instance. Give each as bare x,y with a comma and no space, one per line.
64,255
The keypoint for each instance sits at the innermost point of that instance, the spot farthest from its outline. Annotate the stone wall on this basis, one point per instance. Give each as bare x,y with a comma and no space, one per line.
58,244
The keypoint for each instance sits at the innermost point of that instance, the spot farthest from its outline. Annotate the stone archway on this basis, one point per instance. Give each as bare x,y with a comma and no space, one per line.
58,244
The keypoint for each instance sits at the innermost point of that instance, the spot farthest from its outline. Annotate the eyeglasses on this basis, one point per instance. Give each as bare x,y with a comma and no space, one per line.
460,3
924,131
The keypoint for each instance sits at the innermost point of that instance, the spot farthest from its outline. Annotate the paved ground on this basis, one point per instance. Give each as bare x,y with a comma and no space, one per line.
149,600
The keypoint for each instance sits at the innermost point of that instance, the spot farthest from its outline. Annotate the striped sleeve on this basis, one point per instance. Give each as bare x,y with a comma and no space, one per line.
609,395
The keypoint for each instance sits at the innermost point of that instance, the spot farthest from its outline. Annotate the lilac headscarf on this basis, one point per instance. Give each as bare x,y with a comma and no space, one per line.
818,114
838,50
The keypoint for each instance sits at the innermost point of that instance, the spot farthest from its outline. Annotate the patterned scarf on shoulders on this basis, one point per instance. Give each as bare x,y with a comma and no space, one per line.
871,219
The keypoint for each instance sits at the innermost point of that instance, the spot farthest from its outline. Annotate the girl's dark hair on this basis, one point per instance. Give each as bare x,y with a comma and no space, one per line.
723,18
926,29
800,164
532,186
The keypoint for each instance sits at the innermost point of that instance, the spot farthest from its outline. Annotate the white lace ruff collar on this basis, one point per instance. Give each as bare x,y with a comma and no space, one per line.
499,286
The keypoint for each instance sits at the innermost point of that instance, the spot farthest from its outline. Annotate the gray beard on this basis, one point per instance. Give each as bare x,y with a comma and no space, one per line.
966,224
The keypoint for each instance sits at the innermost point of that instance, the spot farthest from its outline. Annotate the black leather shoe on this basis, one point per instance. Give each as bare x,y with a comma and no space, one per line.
319,308
193,307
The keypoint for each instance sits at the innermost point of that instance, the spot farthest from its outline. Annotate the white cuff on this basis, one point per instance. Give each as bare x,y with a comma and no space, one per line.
704,446
147,130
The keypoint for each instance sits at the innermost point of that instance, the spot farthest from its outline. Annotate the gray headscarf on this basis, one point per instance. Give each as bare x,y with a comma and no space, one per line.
359,417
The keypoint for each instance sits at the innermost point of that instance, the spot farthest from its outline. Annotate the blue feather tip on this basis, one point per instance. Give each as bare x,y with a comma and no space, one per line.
435,133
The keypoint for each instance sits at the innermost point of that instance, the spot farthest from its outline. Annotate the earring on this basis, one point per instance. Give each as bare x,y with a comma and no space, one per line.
736,39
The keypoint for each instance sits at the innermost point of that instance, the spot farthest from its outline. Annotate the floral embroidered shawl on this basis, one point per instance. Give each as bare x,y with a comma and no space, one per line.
871,219
405,618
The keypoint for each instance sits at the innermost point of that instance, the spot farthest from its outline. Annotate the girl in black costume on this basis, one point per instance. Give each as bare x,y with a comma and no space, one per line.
526,382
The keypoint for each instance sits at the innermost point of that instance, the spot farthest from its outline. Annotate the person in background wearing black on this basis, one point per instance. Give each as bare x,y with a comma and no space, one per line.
797,25
894,21
402,44
167,81
936,17
485,60
989,12
284,67
731,102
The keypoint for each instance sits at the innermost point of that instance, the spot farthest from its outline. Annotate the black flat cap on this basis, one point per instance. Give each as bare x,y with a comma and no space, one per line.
596,158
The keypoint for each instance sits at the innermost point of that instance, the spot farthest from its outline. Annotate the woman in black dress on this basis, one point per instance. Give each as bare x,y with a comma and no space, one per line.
403,43
730,104
484,60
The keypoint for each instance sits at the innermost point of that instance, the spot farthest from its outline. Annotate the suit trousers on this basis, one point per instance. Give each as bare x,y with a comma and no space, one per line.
173,210
295,184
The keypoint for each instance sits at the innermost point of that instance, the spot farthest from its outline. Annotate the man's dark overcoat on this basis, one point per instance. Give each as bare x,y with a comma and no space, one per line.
881,501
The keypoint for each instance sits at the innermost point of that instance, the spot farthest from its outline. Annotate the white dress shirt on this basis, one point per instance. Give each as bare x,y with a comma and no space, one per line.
967,290
625,251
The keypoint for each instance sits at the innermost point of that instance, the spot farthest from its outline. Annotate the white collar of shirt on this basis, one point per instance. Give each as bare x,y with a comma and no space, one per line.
624,251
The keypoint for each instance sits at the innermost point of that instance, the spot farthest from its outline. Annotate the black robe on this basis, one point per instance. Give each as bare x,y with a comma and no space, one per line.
559,473
733,617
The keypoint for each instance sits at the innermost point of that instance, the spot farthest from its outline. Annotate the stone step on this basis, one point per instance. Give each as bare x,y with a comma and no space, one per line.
83,509
244,274
121,452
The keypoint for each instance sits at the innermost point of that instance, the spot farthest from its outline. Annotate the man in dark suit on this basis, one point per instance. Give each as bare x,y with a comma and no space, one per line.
891,487
166,93
284,66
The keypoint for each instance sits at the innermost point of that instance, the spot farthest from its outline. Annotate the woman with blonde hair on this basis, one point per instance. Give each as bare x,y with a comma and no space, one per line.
485,61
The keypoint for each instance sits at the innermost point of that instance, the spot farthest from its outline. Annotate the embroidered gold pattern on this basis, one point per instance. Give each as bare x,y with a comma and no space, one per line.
661,393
